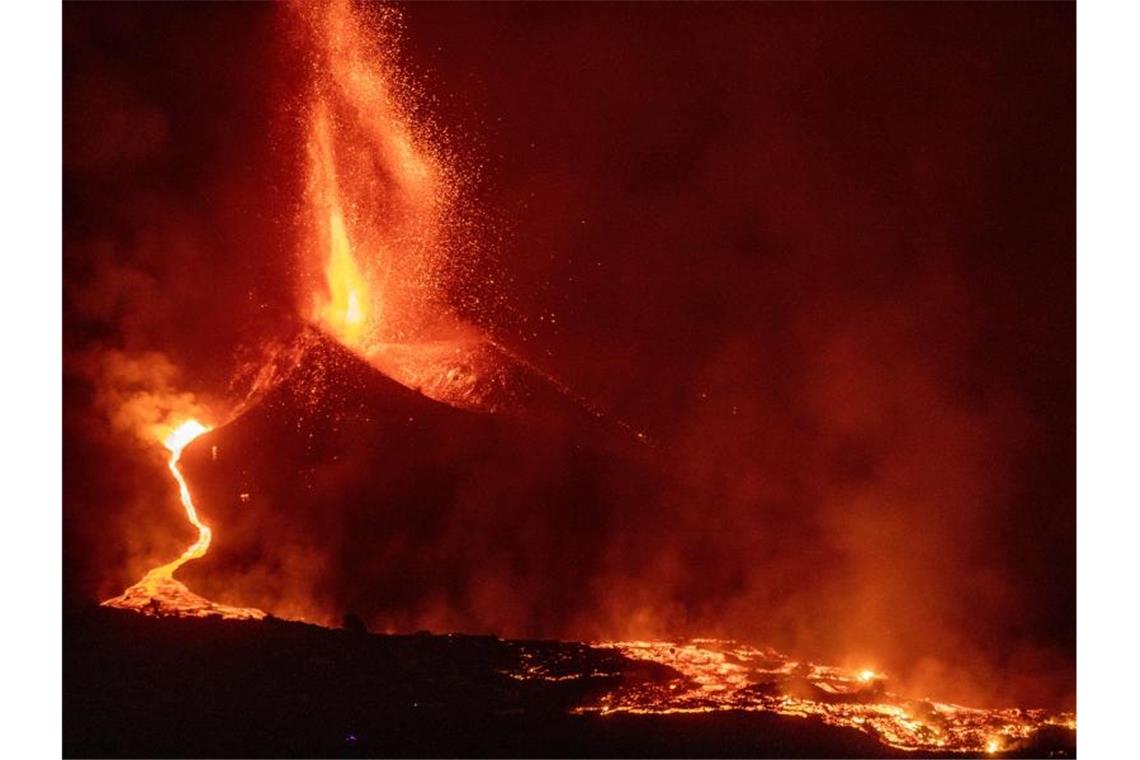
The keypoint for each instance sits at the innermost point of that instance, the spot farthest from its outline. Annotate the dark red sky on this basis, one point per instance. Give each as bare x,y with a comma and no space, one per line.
824,253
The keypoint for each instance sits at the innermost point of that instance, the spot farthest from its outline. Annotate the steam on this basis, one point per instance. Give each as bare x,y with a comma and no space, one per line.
863,427
140,395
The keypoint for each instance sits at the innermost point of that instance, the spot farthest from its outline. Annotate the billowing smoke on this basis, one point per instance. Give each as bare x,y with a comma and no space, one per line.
177,282
822,256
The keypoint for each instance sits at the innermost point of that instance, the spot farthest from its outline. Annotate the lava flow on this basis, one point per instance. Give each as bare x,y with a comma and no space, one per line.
718,675
375,221
376,203
158,593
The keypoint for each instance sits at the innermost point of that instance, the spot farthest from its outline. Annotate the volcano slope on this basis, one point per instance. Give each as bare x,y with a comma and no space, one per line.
341,490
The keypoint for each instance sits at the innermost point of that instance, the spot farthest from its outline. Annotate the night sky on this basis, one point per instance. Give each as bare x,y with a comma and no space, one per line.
822,254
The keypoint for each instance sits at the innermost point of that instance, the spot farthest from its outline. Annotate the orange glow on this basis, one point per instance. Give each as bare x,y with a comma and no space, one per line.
375,194
182,435
340,308
158,593
378,215
343,312
175,442
725,675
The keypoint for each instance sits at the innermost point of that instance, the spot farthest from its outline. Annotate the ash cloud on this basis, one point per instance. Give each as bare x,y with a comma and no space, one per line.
176,274
826,256
822,254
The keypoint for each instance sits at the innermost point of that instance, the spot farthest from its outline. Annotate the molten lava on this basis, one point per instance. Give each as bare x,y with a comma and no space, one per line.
378,217
340,307
376,205
158,593
375,195
374,224
724,675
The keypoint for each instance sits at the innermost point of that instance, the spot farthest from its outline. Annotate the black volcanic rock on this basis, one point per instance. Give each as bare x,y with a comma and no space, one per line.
342,489
210,687
218,688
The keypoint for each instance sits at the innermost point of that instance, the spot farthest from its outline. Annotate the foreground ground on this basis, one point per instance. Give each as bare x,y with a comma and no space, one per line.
139,686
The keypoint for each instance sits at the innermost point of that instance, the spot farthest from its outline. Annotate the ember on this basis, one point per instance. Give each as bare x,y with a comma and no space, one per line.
846,469
724,675
378,207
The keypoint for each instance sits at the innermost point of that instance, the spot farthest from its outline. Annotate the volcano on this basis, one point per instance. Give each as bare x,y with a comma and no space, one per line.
334,451
337,451
504,380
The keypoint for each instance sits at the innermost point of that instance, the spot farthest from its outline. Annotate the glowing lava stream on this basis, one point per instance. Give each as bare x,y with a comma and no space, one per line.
175,442
158,593
719,675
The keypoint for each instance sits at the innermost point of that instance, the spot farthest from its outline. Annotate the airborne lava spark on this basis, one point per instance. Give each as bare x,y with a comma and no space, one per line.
374,220
376,208
378,217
